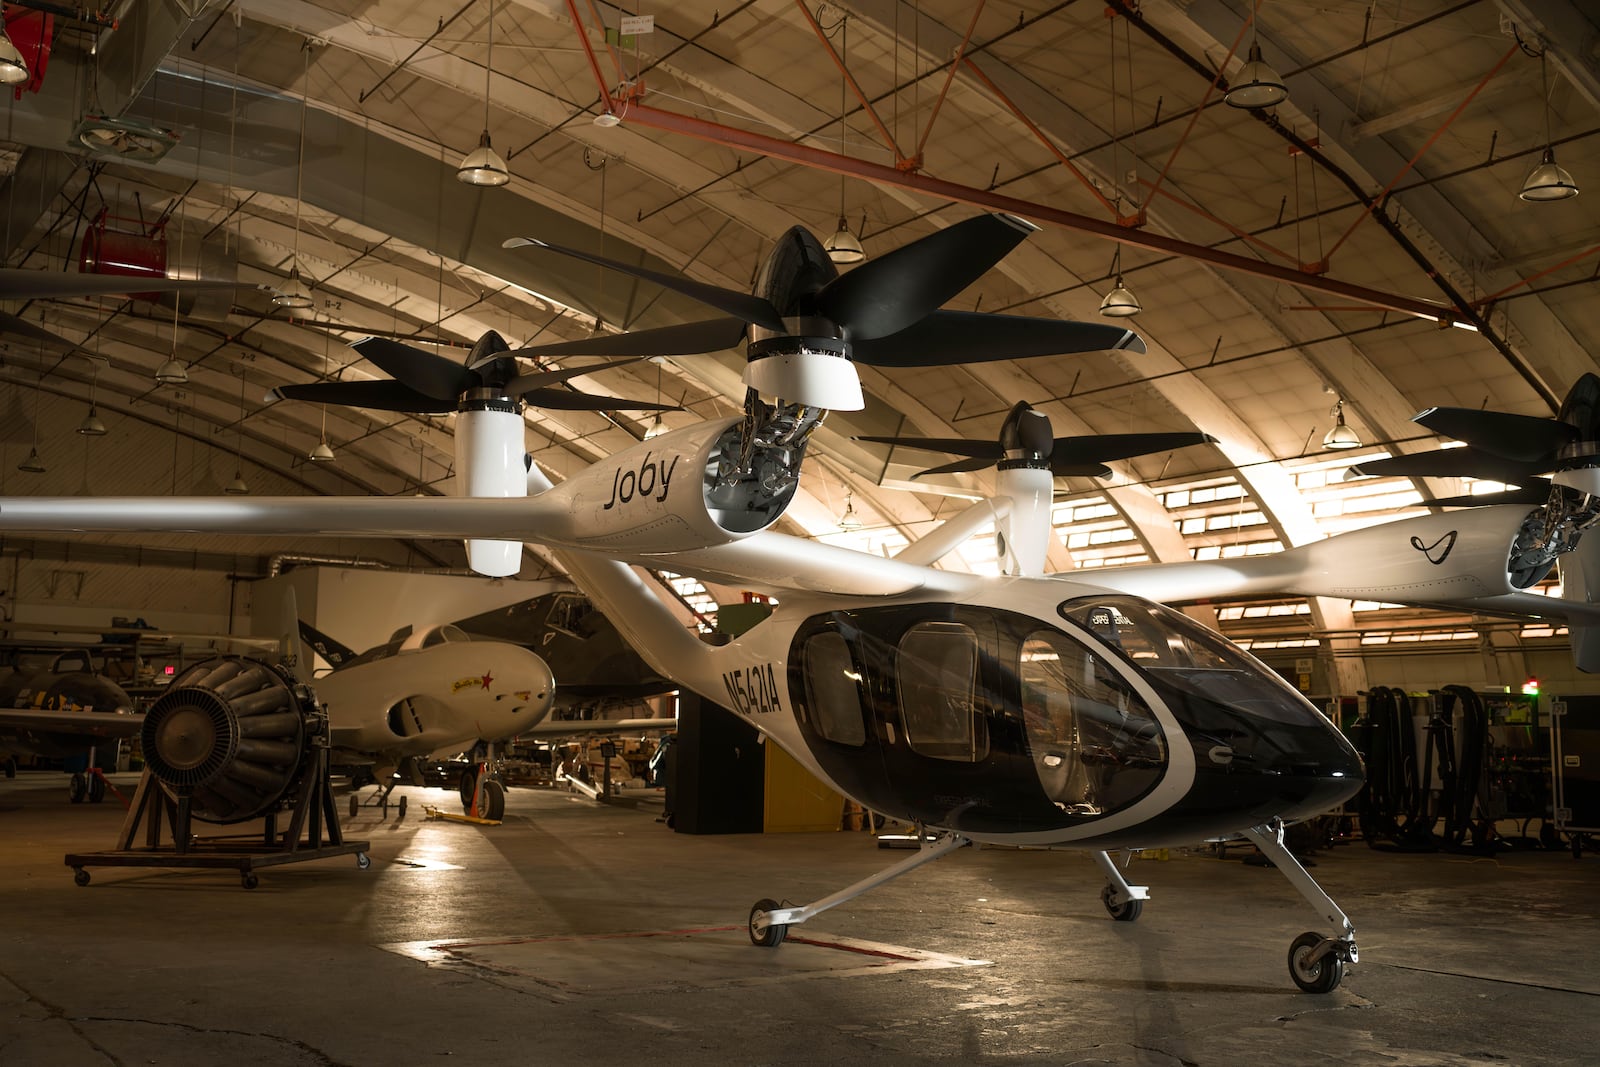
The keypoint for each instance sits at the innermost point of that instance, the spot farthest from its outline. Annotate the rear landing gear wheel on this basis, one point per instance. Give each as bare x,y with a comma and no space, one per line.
773,935
355,805
1124,913
494,800
77,789
97,789
402,807
1321,976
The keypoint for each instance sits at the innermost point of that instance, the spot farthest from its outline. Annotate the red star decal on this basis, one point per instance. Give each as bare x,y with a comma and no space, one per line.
487,679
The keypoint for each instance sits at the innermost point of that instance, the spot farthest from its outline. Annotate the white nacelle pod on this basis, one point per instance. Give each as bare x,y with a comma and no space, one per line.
489,451
666,495
1026,529
815,379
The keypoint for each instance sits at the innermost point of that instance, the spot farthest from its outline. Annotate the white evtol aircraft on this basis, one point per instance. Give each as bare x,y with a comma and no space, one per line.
1021,709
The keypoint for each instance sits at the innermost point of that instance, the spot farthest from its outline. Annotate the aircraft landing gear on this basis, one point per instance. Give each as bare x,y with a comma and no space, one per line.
1123,902
1316,961
483,795
769,922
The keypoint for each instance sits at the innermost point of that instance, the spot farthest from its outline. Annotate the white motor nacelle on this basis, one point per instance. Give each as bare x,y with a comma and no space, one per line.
489,463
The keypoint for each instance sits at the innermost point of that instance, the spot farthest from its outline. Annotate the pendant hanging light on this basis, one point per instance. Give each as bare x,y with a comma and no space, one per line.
849,522
1120,302
13,67
238,487
483,165
842,246
1342,435
91,426
33,464
1259,86
323,453
1549,180
295,295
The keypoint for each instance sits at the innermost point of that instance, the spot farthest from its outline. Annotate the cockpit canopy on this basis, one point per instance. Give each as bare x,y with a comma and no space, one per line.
407,640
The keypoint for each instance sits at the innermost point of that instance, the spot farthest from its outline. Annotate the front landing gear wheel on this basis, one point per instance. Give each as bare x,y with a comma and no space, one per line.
1320,976
1125,912
772,936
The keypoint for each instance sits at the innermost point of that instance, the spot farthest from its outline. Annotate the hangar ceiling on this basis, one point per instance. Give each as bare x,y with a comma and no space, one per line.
1285,258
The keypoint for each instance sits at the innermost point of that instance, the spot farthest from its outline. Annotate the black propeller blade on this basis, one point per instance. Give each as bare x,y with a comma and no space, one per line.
1537,491
429,374
750,308
1504,447
377,395
1524,438
689,339
891,292
883,313
1026,435
19,284
427,384
946,337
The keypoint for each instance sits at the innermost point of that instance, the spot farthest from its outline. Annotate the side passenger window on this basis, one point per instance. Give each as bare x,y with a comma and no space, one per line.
937,667
833,703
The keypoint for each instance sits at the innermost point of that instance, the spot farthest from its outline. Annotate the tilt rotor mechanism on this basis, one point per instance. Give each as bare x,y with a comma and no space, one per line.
1519,451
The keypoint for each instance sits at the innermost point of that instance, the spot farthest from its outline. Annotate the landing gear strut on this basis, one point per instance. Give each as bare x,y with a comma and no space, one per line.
769,922
1124,902
1316,961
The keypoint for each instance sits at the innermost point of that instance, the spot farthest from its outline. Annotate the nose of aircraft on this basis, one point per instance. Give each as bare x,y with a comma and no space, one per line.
529,689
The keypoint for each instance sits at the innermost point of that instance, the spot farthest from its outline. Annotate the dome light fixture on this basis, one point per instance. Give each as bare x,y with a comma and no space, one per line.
13,68
1343,435
844,247
483,165
849,522
91,426
1259,86
323,453
655,429
237,487
294,295
1120,302
33,464
172,372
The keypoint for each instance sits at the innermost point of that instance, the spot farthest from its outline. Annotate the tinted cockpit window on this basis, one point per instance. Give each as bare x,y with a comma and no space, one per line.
937,669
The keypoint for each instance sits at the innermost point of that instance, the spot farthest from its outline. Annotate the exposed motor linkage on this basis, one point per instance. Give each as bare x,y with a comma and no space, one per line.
1550,531
764,470
235,735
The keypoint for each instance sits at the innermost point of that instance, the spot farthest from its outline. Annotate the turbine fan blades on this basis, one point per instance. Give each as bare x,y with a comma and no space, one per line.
1025,435
377,395
946,337
1523,438
896,290
431,375
753,309
19,284
689,339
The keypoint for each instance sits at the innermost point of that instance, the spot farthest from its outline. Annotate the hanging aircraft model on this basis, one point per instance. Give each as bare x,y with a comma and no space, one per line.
1020,709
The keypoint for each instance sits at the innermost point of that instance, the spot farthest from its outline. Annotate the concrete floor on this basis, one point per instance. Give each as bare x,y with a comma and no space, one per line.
500,945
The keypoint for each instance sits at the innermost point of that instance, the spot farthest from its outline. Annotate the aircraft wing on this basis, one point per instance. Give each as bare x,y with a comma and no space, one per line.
586,727
87,724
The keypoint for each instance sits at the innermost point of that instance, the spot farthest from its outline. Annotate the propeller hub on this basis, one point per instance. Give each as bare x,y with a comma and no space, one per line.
809,328
489,400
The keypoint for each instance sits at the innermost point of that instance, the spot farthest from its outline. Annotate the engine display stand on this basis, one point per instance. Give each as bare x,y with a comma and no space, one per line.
313,834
